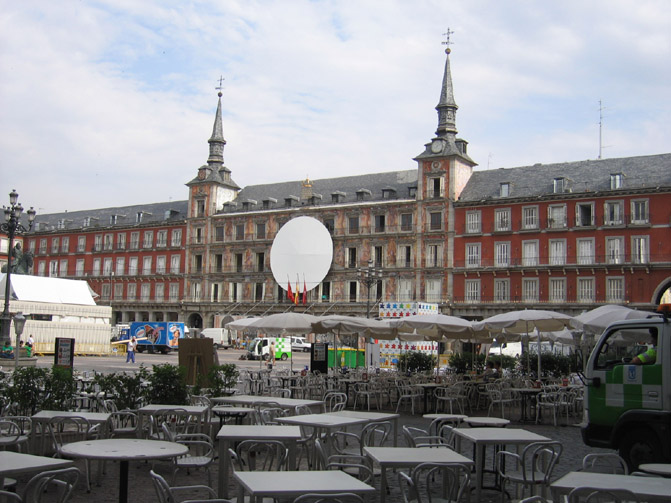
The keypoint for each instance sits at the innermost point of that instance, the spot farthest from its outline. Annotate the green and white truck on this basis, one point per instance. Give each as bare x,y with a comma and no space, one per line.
628,406
259,348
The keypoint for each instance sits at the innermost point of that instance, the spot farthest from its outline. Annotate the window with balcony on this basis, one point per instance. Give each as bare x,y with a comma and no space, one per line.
81,244
473,255
219,233
148,240
435,221
585,290
121,241
109,242
584,214
329,223
405,290
502,254
585,251
640,250
501,290
557,287
132,266
614,289
176,237
353,224
530,217
200,208
159,292
351,258
615,250
404,256
239,232
434,256
108,266
131,291
43,246
105,292
79,267
436,188
639,212
162,238
502,220
530,291
134,240
41,268
238,262
120,266
54,245
63,268
557,252
433,290
530,253
160,265
174,292
146,265
472,290
95,271
219,262
557,216
98,243
145,292
613,213
380,221
175,262
406,222
260,262
260,230
473,222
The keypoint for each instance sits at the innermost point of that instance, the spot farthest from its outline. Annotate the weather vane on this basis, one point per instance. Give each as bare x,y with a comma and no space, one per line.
447,41
220,86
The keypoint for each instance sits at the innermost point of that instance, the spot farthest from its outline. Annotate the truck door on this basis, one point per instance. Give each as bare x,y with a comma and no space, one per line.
617,385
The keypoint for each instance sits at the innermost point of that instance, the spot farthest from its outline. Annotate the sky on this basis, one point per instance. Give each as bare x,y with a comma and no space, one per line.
110,103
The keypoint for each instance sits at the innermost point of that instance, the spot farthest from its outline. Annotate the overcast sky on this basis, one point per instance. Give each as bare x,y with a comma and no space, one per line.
110,103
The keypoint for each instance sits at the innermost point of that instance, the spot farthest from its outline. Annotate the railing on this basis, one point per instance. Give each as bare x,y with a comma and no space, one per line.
546,261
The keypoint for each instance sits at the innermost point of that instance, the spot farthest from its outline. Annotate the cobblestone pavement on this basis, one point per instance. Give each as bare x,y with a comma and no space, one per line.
141,487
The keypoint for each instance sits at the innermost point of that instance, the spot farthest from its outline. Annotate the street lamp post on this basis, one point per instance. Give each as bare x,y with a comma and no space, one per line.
369,276
19,323
12,226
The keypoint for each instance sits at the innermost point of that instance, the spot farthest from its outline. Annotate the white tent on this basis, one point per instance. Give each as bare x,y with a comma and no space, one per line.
48,290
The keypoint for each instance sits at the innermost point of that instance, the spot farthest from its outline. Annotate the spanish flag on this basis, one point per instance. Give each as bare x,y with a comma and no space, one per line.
290,296
297,292
305,292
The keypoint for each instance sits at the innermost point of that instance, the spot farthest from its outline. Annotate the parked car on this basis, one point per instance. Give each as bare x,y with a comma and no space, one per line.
299,344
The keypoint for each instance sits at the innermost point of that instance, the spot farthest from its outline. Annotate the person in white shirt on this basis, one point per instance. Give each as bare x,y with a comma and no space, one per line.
130,354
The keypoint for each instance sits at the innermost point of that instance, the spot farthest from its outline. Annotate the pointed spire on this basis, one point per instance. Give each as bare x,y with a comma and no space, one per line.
217,141
447,107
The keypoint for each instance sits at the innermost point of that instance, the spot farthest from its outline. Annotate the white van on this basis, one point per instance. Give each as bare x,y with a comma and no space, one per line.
220,336
299,344
259,348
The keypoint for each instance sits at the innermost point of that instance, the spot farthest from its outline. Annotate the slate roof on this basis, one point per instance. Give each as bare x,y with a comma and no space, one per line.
170,211
647,172
399,181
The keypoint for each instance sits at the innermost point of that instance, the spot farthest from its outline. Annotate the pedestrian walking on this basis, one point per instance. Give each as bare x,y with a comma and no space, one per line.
132,346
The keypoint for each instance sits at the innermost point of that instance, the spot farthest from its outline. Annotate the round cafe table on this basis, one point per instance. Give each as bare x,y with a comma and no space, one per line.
123,450
663,469
492,422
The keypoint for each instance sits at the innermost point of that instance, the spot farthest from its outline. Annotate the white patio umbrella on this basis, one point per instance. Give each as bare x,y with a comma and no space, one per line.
437,326
289,323
597,320
525,321
241,324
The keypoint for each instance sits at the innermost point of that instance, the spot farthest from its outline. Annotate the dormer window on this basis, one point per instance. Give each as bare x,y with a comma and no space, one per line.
362,193
314,199
558,185
338,197
248,204
289,201
269,203
412,191
616,180
140,216
388,193
504,189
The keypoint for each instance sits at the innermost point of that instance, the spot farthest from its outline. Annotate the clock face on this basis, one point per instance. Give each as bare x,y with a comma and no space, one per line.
436,146
201,174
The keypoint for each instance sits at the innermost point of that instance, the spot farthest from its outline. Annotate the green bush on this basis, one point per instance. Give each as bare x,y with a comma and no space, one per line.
59,389
27,392
466,362
126,389
507,362
552,365
167,385
416,361
221,378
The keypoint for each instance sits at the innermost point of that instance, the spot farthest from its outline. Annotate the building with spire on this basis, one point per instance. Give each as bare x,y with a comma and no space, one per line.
569,236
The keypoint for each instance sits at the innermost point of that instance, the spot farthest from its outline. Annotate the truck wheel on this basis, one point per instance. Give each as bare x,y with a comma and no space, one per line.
306,350
140,349
165,351
640,446
266,357
283,357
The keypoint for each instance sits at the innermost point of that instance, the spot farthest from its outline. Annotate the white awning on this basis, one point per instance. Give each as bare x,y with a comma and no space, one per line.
50,290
